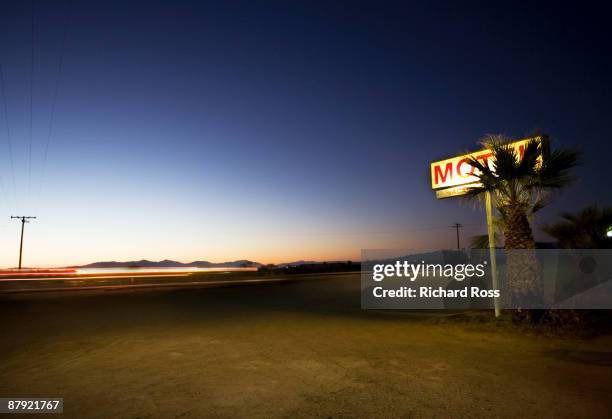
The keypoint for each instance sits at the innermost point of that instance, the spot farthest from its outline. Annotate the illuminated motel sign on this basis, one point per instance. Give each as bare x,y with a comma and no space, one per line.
453,177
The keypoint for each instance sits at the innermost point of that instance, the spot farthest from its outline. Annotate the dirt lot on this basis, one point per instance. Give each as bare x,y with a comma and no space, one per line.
285,350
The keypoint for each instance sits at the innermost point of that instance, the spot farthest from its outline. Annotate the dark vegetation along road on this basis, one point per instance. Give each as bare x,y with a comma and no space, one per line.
294,349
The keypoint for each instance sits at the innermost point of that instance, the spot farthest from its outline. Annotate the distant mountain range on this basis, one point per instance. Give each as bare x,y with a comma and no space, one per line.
244,263
195,264
172,264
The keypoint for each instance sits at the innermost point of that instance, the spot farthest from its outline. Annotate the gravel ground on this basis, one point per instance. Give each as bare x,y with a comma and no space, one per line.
302,349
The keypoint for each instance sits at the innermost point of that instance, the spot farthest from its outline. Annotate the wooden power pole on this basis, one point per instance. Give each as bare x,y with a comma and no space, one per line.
457,226
24,219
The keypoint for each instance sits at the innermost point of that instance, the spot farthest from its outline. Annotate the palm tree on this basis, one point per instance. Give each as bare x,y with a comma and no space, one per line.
584,230
520,188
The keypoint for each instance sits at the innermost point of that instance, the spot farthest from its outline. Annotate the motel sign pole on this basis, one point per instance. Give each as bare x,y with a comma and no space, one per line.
492,250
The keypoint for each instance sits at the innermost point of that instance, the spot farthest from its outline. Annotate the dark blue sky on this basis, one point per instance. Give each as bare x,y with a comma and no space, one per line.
279,130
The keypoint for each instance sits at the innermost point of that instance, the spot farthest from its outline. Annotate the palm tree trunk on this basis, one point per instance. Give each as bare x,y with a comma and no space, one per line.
517,231
522,271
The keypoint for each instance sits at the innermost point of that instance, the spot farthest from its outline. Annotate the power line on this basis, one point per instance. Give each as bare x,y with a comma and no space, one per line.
31,104
351,233
4,194
55,95
8,132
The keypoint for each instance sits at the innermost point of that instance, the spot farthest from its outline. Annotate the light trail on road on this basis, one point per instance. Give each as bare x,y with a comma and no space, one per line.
80,278
148,285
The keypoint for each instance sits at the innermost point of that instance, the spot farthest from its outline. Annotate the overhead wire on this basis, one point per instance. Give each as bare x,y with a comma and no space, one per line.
4,194
55,95
8,133
31,104
357,233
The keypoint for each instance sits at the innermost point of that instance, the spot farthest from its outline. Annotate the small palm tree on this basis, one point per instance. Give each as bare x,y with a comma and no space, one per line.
584,230
481,241
520,187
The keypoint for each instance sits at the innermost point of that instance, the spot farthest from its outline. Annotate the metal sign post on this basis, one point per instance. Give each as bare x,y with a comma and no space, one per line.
492,251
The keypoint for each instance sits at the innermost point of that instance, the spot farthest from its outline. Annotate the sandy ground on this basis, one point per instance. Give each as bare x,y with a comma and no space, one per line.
284,350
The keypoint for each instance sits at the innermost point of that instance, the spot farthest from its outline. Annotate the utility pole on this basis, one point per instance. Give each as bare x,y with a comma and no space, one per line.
457,226
24,219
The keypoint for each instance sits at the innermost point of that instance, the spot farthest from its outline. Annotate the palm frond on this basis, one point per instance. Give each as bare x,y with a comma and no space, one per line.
531,154
554,172
584,229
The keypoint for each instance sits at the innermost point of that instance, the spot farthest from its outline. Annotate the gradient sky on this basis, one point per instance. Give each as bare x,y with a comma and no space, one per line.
277,131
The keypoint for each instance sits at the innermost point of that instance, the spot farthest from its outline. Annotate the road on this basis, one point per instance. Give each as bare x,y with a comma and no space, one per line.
126,280
298,349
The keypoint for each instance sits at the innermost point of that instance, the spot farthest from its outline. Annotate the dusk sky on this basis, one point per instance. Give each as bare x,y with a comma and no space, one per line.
278,131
